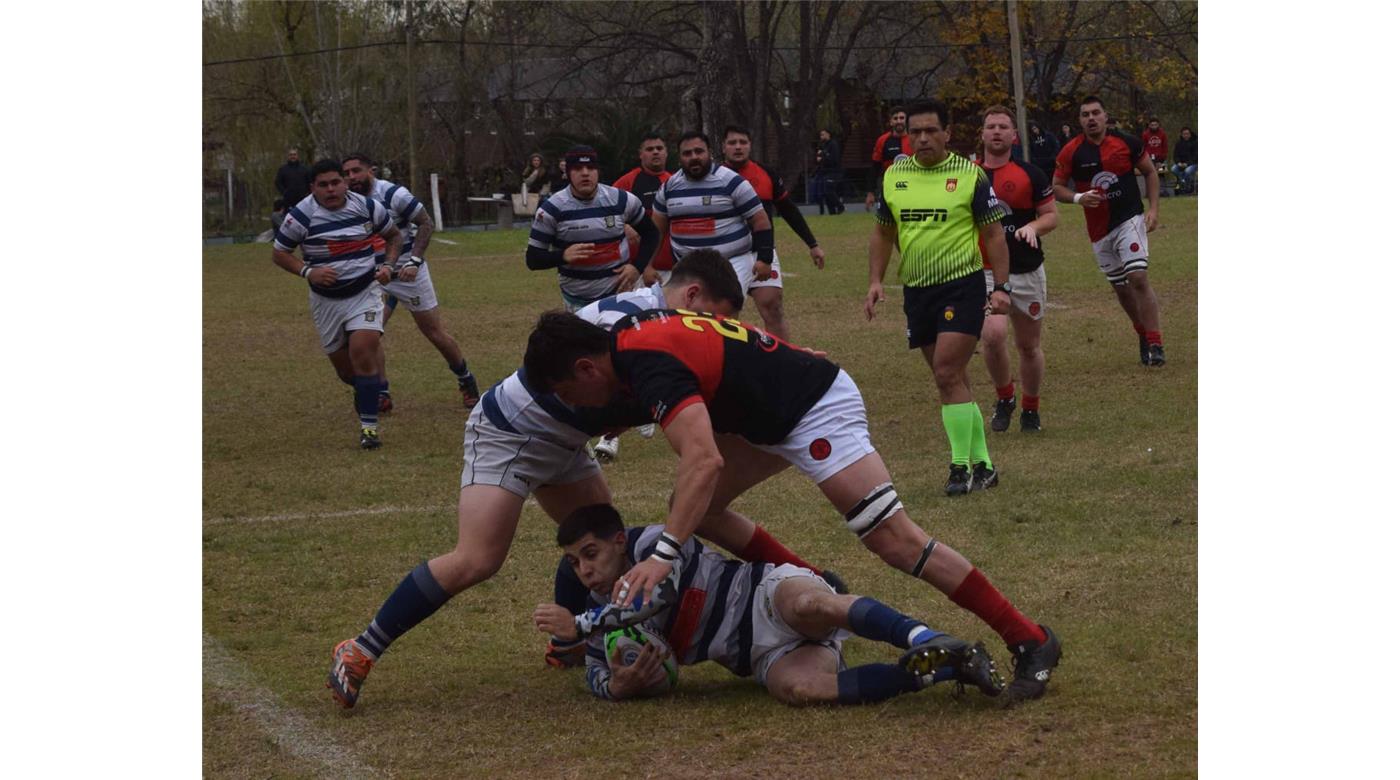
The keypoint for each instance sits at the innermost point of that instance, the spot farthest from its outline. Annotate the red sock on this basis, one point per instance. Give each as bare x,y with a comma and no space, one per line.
1009,391
763,548
1154,337
1140,330
982,599
1031,403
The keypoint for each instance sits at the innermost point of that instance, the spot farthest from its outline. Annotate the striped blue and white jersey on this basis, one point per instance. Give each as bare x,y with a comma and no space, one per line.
403,207
342,239
564,220
709,213
514,406
711,621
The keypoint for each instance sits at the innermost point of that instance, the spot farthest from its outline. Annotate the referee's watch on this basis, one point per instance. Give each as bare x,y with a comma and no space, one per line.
1003,287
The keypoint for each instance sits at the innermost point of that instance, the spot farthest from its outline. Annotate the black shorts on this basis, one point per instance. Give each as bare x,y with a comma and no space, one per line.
958,306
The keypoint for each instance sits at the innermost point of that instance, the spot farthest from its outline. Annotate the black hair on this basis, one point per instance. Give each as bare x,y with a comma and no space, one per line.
928,107
738,129
361,156
326,165
1091,99
689,134
713,272
601,520
650,134
559,339
896,110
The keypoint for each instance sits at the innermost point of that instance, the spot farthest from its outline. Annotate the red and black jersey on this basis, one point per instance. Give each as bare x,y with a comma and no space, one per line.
889,147
1156,144
771,189
1022,188
752,384
645,185
1108,167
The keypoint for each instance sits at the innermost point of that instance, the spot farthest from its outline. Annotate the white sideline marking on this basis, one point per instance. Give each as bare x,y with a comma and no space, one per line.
445,241
379,510
292,732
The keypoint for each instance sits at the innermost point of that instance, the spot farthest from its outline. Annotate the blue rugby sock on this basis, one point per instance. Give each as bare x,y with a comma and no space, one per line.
872,683
873,620
412,602
460,371
367,400
383,386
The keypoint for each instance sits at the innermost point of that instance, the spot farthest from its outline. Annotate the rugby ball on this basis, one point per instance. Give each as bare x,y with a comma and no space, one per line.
631,640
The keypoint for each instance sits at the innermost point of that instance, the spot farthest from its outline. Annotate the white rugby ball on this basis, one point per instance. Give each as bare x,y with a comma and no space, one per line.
631,640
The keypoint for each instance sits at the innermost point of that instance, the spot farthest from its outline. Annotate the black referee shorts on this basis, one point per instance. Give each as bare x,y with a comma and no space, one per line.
958,306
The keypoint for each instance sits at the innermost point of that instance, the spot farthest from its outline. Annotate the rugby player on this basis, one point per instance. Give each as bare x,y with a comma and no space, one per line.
410,281
773,192
699,375
891,147
1025,191
335,230
522,441
938,205
580,232
1103,162
781,624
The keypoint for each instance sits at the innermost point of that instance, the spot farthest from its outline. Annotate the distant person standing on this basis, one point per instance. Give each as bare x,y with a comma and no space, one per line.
559,177
889,149
829,174
1185,157
293,179
1102,164
1154,140
535,176
1066,134
1044,147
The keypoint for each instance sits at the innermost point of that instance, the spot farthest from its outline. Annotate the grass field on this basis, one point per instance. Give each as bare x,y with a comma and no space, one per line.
1093,531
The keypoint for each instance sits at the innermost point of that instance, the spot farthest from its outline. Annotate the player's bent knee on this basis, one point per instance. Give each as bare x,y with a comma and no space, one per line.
468,567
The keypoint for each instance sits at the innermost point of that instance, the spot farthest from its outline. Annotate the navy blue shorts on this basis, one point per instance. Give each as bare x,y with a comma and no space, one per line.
958,306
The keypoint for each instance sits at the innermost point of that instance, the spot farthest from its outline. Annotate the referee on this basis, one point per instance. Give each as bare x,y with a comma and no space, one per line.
936,205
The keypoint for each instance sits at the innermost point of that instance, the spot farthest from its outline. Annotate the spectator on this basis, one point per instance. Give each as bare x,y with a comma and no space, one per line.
1154,139
293,180
1044,148
1066,133
559,177
829,175
535,177
1185,156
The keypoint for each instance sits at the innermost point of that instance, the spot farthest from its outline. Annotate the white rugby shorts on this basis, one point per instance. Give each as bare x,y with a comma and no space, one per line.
743,266
517,462
336,317
772,637
417,295
1027,291
832,435
1123,250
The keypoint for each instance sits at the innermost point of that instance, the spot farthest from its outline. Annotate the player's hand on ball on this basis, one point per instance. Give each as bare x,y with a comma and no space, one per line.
1028,235
642,674
640,580
322,275
554,620
578,252
874,296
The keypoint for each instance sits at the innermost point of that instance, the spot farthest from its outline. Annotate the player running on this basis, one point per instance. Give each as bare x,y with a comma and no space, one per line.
1103,164
410,281
1025,190
698,375
336,230
524,441
781,624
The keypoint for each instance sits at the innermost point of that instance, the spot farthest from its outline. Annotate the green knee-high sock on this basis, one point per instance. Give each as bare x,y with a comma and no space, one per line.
957,423
979,438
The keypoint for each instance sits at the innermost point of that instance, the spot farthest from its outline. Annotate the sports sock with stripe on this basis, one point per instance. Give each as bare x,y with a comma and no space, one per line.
979,437
874,682
958,426
981,598
460,371
412,602
875,620
367,401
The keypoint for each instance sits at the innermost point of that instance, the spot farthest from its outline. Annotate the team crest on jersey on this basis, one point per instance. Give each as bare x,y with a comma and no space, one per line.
705,200
369,227
951,185
1103,180
610,220
948,314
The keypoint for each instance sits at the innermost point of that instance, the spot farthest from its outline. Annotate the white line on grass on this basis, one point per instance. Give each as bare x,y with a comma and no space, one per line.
378,510
293,733
445,241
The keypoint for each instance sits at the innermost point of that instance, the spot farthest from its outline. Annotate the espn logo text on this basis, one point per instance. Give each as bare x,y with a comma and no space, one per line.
923,215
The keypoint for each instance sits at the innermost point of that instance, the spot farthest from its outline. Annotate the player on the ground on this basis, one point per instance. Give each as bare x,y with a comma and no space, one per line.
410,281
522,440
580,232
891,147
697,376
335,230
782,624
1024,189
938,205
773,192
1103,164
710,206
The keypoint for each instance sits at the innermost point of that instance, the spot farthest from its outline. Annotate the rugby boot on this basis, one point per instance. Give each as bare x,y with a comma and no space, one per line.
834,580
1030,421
467,386
1156,355
369,439
350,666
1142,349
565,656
606,449
386,403
959,481
971,662
1034,661
1001,416
984,477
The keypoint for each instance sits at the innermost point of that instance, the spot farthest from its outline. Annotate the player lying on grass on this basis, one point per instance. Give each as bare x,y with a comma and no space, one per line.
782,624
521,441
